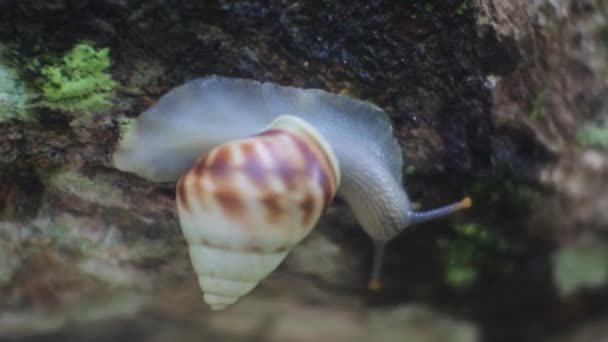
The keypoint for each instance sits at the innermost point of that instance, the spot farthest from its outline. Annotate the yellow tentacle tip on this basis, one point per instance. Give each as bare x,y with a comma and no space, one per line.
374,285
466,203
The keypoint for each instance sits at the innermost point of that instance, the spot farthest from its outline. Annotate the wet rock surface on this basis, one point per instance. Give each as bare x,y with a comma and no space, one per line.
488,98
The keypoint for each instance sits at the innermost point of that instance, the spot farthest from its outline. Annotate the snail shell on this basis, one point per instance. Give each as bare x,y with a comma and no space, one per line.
246,203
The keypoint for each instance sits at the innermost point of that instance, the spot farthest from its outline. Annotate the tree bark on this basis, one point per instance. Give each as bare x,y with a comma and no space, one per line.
493,99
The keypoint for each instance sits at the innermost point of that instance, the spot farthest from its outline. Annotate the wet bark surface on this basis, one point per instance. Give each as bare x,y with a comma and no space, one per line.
486,98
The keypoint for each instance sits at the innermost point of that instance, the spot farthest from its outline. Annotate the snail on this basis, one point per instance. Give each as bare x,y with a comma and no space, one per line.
256,165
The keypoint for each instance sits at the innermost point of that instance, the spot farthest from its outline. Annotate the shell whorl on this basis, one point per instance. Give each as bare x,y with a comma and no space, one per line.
246,203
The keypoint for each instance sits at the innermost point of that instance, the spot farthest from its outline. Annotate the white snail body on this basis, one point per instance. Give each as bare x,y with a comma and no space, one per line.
351,138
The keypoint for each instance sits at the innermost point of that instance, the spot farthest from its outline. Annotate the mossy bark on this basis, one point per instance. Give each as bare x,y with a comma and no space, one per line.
487,98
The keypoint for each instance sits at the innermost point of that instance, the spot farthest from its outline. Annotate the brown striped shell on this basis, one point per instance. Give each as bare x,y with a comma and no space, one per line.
246,203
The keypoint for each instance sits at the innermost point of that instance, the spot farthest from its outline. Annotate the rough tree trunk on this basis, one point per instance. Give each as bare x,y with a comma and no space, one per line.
505,101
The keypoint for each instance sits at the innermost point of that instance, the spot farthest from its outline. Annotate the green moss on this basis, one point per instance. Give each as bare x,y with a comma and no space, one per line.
114,304
491,245
89,189
119,303
63,233
14,97
603,32
463,7
460,275
143,74
539,105
579,267
150,251
514,198
124,124
594,135
464,254
428,7
9,261
77,82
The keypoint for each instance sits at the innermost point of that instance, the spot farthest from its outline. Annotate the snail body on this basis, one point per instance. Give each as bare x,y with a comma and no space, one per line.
251,125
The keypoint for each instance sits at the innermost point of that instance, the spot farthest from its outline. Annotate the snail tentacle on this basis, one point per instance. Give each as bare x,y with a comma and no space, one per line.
416,217
375,283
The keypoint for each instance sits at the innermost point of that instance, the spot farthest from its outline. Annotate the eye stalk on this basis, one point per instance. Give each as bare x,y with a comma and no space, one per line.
414,217
374,281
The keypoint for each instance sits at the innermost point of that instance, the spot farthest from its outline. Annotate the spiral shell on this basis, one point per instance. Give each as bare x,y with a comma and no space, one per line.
246,203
